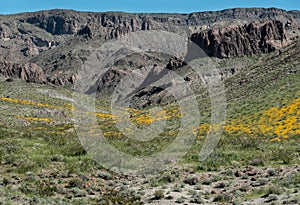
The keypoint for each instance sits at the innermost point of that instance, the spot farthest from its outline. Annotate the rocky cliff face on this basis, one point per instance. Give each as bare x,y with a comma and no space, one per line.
60,41
242,40
113,24
29,72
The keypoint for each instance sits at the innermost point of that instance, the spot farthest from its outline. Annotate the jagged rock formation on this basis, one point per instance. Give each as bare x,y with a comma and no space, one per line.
242,40
29,72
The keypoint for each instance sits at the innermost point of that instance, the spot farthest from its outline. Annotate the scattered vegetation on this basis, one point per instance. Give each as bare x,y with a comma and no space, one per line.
41,155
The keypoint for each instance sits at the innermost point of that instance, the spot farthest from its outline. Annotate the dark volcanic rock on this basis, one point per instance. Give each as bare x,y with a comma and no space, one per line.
86,31
242,40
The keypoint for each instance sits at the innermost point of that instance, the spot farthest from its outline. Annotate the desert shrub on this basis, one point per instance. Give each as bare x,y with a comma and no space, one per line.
116,197
38,188
292,180
283,154
272,189
158,194
223,198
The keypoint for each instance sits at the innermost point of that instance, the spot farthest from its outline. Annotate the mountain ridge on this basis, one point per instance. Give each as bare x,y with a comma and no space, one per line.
59,41
154,13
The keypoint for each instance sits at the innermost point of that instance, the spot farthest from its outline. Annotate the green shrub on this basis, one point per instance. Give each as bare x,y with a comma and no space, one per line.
158,194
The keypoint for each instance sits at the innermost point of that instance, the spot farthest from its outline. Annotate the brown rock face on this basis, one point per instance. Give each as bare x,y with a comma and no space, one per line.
241,40
29,72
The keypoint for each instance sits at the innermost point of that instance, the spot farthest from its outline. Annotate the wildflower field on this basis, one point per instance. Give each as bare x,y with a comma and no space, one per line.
41,154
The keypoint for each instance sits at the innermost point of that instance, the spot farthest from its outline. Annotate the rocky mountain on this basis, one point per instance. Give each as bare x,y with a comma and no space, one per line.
60,41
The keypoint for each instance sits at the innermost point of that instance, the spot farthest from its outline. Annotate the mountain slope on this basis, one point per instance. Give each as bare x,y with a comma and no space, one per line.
60,41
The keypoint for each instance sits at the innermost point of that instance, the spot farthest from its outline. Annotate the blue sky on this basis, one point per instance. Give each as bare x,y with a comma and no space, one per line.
169,6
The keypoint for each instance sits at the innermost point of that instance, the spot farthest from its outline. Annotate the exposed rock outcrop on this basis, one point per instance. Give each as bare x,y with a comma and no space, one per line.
62,80
175,63
29,72
86,31
54,24
242,40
